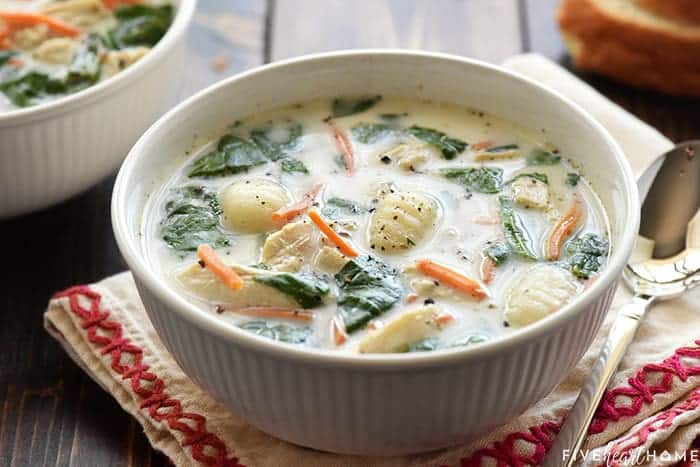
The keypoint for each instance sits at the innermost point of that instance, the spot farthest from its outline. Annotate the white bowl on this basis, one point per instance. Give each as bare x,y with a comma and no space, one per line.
375,404
56,150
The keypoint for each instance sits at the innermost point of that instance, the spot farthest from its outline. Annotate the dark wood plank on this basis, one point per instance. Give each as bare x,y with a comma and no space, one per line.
50,412
485,29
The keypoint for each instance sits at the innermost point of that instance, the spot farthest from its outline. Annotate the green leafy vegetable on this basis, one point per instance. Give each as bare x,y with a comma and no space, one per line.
449,147
232,155
392,118
572,179
479,179
368,133
516,235
293,166
192,218
283,332
425,345
368,288
498,252
536,175
505,147
336,207
586,254
306,289
344,107
541,157
140,25
275,150
470,340
84,70
27,89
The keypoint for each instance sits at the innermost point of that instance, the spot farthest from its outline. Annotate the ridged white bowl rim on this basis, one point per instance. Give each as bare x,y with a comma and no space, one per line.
183,16
209,322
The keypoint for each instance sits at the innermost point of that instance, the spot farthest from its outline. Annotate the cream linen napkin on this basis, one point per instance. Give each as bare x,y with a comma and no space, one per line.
652,408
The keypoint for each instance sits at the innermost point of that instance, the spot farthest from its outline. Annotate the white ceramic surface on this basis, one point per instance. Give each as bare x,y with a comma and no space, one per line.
53,151
376,404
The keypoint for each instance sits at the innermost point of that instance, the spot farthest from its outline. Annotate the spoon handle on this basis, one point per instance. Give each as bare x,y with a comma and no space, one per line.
566,446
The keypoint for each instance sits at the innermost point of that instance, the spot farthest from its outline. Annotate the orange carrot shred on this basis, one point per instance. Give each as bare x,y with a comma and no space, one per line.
343,143
452,278
332,235
288,213
217,267
269,312
23,19
338,331
487,269
563,229
444,318
481,145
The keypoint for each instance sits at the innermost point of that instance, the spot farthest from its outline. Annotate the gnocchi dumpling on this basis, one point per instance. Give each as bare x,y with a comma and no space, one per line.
81,13
402,220
290,247
540,291
116,60
57,51
530,192
409,156
201,283
330,259
248,204
400,333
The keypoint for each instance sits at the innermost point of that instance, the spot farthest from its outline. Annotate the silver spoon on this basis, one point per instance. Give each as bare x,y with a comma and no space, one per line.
671,196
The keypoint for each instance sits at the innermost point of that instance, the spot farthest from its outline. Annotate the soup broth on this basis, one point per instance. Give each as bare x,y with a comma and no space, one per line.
377,225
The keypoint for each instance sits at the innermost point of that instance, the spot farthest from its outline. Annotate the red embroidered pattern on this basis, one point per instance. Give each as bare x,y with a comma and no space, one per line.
639,391
127,361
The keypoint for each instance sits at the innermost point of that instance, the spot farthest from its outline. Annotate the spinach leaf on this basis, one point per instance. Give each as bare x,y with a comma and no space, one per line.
516,235
232,155
586,254
541,157
27,89
140,25
572,179
282,332
192,218
306,289
449,147
498,252
336,207
479,179
5,55
84,70
425,345
293,166
275,150
505,147
343,107
369,133
368,288
392,118
536,175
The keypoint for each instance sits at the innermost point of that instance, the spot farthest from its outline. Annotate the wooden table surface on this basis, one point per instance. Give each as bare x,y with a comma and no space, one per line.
51,413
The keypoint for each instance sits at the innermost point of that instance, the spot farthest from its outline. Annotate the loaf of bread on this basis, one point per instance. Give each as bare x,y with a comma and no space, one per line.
648,43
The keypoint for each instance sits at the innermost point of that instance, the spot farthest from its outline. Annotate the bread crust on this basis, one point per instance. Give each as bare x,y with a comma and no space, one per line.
631,52
686,11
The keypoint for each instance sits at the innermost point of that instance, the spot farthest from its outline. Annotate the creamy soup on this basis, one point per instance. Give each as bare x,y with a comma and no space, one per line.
377,225
51,48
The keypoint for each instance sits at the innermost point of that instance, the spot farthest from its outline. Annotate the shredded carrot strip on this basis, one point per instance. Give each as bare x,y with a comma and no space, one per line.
487,269
22,19
478,146
217,267
16,62
288,213
332,235
343,143
269,312
451,278
563,229
486,220
111,4
412,297
444,318
338,331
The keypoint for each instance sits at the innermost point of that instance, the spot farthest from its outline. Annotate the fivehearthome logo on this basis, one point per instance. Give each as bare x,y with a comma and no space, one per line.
601,457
